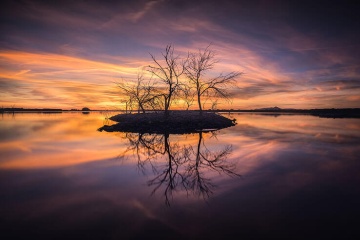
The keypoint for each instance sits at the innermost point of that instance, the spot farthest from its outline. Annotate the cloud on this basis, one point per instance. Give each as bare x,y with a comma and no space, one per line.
139,14
61,80
96,43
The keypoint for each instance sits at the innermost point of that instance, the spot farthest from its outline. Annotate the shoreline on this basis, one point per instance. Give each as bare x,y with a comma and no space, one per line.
176,122
322,113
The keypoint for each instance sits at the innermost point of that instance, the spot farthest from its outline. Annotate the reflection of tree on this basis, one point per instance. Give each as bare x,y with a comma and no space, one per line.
145,147
185,167
207,160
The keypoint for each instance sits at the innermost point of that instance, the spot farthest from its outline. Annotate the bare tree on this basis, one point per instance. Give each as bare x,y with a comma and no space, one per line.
217,87
127,103
214,105
168,72
188,95
141,94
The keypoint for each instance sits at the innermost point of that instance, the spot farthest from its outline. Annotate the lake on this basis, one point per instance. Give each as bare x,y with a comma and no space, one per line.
268,177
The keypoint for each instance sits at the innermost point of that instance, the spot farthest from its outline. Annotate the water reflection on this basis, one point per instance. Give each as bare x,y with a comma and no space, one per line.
61,179
185,167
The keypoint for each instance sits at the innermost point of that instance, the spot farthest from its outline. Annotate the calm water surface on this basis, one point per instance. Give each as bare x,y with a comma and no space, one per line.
268,177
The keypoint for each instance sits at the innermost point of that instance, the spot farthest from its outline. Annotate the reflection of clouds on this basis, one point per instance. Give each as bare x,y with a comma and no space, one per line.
91,196
298,172
260,134
54,140
294,165
288,128
142,207
260,140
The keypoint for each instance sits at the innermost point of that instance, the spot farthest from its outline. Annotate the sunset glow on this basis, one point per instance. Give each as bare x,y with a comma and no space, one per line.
69,55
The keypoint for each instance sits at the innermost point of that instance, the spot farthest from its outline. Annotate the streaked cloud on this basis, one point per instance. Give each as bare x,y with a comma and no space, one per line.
75,51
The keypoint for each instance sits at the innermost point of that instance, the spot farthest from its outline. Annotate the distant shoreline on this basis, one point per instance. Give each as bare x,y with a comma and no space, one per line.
321,112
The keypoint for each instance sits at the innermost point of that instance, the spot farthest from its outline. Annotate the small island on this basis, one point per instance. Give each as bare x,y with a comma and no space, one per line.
174,122
175,78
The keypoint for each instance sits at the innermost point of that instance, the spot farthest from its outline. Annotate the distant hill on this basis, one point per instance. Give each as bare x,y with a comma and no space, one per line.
269,109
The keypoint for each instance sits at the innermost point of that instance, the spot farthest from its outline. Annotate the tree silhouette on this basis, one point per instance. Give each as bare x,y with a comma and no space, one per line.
141,94
196,67
176,78
168,72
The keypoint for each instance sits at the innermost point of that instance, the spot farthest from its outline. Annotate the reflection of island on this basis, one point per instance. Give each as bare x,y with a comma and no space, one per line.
186,167
176,167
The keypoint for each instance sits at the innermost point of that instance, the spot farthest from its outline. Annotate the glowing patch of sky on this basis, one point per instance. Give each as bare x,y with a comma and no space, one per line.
70,54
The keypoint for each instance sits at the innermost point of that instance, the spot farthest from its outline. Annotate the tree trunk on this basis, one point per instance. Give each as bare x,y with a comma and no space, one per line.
141,107
199,102
166,106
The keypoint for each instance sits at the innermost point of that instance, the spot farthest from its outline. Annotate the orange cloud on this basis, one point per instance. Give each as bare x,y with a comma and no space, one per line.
61,80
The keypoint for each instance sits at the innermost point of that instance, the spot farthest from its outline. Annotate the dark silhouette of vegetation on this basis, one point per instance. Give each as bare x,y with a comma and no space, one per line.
188,94
141,94
168,72
217,87
319,112
178,78
85,110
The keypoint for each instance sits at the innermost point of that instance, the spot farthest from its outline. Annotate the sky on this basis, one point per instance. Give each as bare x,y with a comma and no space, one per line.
70,54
